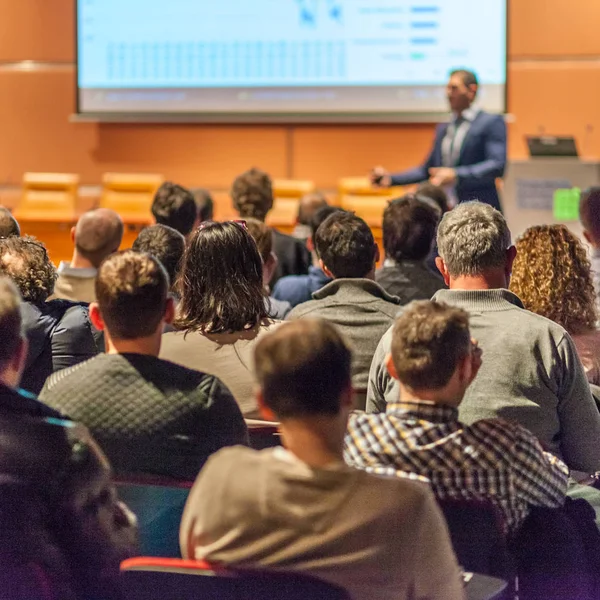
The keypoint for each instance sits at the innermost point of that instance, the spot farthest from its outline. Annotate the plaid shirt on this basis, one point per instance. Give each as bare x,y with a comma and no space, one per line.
491,459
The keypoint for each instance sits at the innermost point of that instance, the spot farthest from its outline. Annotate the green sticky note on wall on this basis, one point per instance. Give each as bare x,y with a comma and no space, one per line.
566,204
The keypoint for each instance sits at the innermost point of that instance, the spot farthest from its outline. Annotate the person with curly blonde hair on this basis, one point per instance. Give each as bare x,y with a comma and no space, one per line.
552,277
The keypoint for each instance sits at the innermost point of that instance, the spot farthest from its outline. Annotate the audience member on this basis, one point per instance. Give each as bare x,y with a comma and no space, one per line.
551,275
222,312
59,331
532,374
175,206
97,234
263,236
434,360
166,245
379,537
352,301
204,204
589,215
252,195
309,204
8,224
436,193
150,416
409,228
297,289
74,530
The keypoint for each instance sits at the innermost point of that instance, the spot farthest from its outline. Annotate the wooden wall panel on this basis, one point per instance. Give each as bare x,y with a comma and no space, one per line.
554,28
556,99
41,30
326,153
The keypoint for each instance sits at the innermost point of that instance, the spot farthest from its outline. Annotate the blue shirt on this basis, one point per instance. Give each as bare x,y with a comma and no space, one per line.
297,289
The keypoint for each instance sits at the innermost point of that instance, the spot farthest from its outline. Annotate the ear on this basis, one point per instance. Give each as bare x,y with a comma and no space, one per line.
73,234
169,316
264,410
511,254
389,363
310,244
21,357
588,237
441,265
377,254
325,269
269,268
96,317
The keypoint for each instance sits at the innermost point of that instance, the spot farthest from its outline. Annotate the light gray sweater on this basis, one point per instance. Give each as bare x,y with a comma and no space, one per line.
530,374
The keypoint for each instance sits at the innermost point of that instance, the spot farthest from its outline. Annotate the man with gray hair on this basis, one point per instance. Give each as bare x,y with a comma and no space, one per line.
98,234
532,374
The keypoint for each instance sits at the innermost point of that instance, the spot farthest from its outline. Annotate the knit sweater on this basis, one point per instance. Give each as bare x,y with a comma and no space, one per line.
530,374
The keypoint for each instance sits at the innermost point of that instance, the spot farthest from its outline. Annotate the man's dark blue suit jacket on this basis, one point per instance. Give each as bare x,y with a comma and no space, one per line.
482,159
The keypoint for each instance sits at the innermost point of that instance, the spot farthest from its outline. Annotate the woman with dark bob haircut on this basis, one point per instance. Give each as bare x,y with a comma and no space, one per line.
222,312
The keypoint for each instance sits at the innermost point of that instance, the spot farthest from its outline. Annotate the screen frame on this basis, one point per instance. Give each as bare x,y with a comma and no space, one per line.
250,118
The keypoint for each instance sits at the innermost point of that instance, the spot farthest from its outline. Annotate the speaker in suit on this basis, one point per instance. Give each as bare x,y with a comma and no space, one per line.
468,153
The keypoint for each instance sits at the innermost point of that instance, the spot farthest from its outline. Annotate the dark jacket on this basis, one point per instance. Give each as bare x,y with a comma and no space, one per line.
150,416
60,336
409,280
293,257
482,159
21,403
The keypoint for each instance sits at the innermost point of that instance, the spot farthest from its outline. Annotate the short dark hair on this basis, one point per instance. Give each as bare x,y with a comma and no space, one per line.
469,78
175,206
263,237
316,200
11,322
98,233
165,244
131,291
302,368
204,204
589,210
409,227
26,262
320,216
346,245
221,281
435,193
428,340
252,194
8,224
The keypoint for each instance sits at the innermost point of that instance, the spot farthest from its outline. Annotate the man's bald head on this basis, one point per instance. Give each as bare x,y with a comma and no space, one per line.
98,233
8,224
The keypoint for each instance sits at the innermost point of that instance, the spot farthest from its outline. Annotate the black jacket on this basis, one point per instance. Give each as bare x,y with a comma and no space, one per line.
293,257
60,336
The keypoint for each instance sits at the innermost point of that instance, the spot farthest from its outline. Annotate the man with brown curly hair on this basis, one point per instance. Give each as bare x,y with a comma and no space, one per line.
252,195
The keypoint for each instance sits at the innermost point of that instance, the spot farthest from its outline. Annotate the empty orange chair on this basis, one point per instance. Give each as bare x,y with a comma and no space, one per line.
130,195
48,197
287,194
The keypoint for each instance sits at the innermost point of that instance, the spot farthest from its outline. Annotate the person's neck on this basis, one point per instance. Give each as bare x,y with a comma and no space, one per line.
317,441
149,346
442,397
9,378
79,262
487,281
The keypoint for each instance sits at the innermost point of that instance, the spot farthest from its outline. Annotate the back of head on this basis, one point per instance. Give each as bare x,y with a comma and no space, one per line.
131,291
8,224
589,214
552,276
204,204
98,233
309,204
11,324
435,193
472,239
409,227
175,206
26,262
263,236
303,368
428,341
346,245
252,194
221,282
320,216
165,244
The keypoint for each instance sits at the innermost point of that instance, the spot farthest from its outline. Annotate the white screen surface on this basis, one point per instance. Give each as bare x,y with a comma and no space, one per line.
286,57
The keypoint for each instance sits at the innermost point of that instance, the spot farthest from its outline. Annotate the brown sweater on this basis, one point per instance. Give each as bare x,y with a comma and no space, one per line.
380,538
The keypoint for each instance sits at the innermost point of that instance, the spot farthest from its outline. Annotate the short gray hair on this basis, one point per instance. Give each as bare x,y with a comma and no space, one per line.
472,238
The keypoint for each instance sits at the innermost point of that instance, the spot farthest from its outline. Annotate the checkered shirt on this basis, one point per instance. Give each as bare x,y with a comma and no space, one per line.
491,460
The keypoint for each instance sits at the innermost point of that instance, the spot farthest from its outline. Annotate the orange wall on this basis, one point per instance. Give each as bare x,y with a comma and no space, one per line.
554,86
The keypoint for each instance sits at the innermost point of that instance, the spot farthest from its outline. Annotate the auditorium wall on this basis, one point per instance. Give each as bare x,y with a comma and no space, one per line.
554,87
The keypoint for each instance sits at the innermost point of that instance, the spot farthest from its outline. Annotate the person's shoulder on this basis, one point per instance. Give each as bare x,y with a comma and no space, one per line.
290,283
304,309
541,325
76,375
233,459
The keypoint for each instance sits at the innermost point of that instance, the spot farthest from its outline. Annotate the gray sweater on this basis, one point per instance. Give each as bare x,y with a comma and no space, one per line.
531,374
361,309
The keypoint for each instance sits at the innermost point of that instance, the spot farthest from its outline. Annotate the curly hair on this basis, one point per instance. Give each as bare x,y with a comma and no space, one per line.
252,194
26,262
551,274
